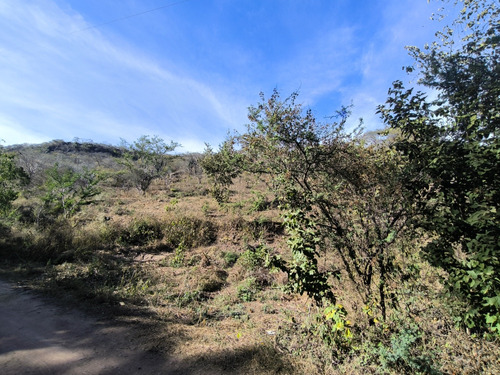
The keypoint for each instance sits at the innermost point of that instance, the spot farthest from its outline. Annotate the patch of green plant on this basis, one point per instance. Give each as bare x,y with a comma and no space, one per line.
230,258
66,190
333,327
170,206
189,297
192,232
450,144
147,159
141,232
254,257
247,291
238,311
11,178
178,258
194,260
221,168
259,202
304,276
402,354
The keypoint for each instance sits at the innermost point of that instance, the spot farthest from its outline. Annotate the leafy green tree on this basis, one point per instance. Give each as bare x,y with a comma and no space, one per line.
221,168
451,144
11,178
67,190
147,159
304,276
324,175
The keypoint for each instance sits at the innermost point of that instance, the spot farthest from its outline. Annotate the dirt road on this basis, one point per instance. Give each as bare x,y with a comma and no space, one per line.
40,337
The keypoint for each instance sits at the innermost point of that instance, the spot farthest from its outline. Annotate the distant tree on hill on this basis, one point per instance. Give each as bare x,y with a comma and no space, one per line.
147,159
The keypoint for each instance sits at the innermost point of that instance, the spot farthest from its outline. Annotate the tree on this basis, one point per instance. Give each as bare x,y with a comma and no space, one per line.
11,178
338,194
67,190
452,147
221,168
147,159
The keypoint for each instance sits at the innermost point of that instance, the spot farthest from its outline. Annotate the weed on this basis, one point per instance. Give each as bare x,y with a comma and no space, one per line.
259,202
254,257
402,354
170,206
178,259
229,258
194,260
189,297
247,291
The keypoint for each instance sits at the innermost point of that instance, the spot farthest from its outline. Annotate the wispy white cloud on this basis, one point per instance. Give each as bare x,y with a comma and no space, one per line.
102,85
84,84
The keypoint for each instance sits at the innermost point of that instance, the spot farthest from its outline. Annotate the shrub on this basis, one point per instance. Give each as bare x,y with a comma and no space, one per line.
254,257
246,292
259,202
141,232
230,258
191,232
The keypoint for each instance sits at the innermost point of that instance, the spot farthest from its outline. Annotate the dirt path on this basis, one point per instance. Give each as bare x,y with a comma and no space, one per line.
39,337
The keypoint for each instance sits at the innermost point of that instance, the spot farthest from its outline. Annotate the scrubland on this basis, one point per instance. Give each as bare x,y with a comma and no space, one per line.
196,271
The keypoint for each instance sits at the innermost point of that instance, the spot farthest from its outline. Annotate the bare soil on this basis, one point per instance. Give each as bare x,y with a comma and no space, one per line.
38,336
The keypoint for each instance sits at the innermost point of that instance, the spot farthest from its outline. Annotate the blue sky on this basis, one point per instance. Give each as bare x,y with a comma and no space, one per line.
188,71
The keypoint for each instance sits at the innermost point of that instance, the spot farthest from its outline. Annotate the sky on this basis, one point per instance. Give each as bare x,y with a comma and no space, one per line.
188,70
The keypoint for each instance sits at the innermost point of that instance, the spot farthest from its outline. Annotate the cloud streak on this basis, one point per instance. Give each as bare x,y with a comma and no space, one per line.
82,84
190,75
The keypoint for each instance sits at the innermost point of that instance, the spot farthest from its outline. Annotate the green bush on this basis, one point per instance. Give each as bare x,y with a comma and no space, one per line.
247,291
254,257
141,232
230,258
191,232
403,354
178,259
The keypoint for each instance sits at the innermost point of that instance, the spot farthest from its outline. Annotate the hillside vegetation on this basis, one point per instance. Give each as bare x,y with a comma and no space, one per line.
297,246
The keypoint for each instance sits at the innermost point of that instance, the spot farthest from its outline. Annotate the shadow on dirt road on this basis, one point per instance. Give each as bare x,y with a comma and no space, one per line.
39,337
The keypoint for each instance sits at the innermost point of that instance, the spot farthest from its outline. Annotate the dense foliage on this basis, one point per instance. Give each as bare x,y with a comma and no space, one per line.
11,179
66,190
350,190
439,174
367,227
221,167
451,145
